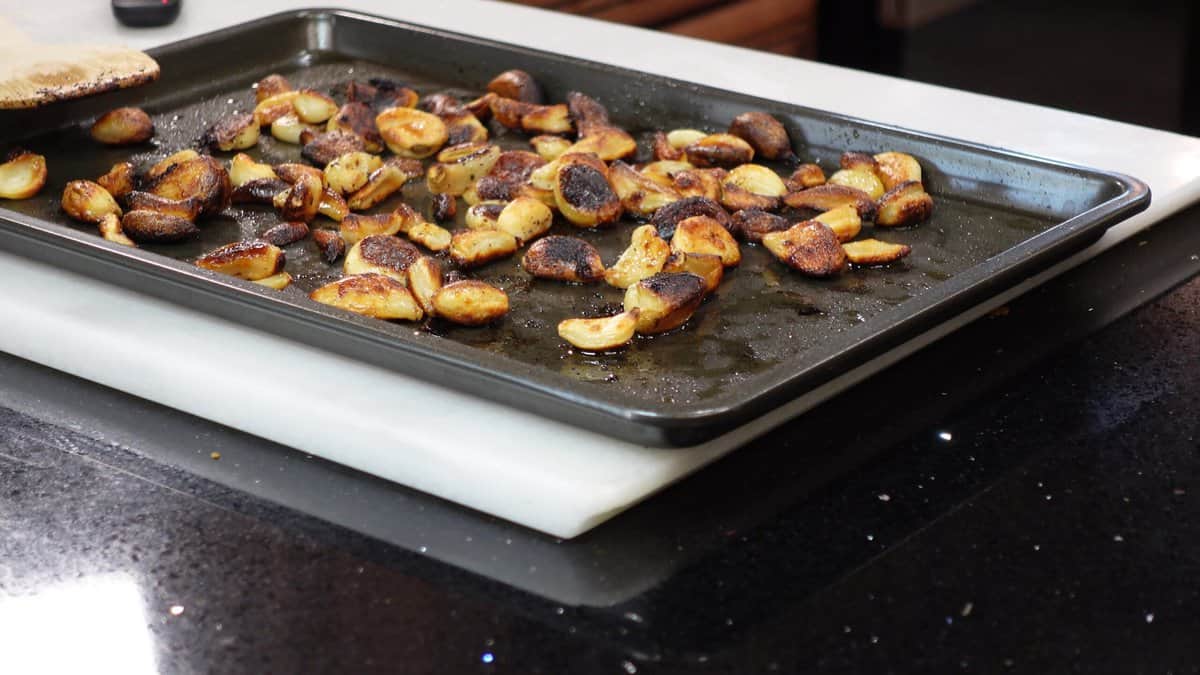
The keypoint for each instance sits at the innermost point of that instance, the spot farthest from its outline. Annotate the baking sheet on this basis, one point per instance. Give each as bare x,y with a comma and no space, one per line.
768,335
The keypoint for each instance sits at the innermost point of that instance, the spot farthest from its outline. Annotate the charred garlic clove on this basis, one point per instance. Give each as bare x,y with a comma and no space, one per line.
701,234
719,150
827,197
234,132
330,244
381,254
285,233
350,172
188,209
301,201
764,133
201,177
809,247
666,218
707,266
120,179
250,260
905,204
664,301
372,295
638,193
752,224
583,193
157,228
358,119
564,259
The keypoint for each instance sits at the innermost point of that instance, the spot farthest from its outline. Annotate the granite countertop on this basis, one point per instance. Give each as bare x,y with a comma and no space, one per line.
1017,497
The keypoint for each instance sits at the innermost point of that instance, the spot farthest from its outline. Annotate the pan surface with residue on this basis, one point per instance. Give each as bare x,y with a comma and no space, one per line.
767,336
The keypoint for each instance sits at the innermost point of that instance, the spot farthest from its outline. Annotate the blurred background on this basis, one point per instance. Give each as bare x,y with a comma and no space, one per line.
1069,55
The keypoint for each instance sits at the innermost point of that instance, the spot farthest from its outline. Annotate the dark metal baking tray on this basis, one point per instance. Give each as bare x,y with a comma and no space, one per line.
766,338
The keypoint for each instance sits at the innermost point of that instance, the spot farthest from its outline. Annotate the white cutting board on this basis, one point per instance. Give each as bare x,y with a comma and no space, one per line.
536,472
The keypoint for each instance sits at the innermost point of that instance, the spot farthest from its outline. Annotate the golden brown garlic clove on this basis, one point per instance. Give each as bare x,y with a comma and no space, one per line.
459,166
412,133
201,177
301,201
157,228
525,219
271,85
644,257
719,150
707,266
874,252
372,295
314,107
243,169
123,126
349,172
895,168
472,248
110,229
424,281
330,244
88,202
289,129
808,247
470,303
638,193
804,177
905,204
120,179
384,182
22,176
701,234
826,197
355,227
599,334
249,260
531,118
517,85
843,220
275,107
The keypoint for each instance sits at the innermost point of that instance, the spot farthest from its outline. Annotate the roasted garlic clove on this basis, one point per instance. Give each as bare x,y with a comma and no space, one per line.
459,166
412,133
323,148
445,207
163,165
330,244
638,193
607,143
354,227
666,218
470,303
564,259
285,233
544,196
895,168
275,107
549,147
314,107
483,216
381,94
531,118
588,113
699,183
372,295
512,171
123,126
243,169
22,176
472,248
271,85
333,206
517,85
582,191
157,228
805,176
88,202
188,209
764,133
482,106
234,132
663,171
462,126
679,139
349,172
859,179
874,252
809,247
701,234
707,266
826,197
752,224
752,186
433,237
110,229
259,191
292,172
301,201
358,119
645,257
525,219
384,182
905,204
719,150
277,282
424,281
289,129
663,150
843,220
250,260
381,254
664,301
201,177
120,179
600,334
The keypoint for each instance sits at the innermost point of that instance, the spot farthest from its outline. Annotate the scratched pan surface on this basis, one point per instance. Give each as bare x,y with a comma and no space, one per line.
767,336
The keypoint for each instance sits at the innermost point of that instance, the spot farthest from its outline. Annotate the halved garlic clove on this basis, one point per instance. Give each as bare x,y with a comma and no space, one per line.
412,133
583,193
22,176
381,254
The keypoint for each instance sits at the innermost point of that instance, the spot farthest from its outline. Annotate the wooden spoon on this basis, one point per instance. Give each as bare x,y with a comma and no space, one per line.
32,75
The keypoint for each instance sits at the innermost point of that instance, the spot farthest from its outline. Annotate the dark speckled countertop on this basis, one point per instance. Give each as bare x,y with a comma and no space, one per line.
1021,496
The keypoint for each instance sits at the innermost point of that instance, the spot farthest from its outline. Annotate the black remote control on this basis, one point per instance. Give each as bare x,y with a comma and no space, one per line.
146,12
